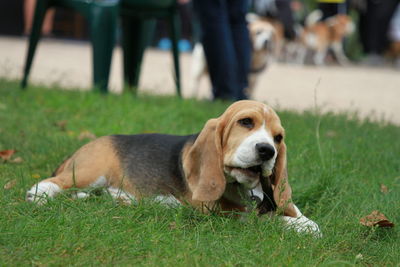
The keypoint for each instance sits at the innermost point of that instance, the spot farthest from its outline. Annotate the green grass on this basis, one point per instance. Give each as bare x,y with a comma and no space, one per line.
336,181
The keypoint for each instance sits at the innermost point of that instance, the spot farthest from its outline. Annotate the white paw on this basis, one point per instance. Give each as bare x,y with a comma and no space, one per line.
39,193
168,200
121,195
302,225
80,195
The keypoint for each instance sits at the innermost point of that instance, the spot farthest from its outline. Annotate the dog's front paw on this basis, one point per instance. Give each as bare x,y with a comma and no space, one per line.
39,193
302,224
32,196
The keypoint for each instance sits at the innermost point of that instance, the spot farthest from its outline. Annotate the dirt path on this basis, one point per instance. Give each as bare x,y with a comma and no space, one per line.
368,91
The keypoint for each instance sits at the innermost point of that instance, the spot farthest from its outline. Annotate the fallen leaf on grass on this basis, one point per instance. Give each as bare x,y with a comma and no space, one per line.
62,125
6,154
36,176
10,184
384,189
376,218
86,135
172,225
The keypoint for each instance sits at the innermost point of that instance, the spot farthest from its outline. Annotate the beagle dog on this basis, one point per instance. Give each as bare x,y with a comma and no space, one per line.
320,36
236,157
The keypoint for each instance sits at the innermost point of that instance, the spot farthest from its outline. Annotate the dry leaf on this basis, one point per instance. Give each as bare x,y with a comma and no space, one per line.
62,125
384,189
376,218
86,135
36,176
172,225
6,154
10,184
17,160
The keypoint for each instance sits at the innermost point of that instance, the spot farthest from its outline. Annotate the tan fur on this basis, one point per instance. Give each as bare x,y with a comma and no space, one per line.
331,30
262,113
203,166
394,50
90,162
327,34
203,161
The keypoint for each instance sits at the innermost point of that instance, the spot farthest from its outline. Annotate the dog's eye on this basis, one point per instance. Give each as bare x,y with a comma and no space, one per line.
278,138
246,122
258,32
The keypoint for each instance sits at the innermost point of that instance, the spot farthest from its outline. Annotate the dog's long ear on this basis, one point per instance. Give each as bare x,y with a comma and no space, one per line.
282,189
203,164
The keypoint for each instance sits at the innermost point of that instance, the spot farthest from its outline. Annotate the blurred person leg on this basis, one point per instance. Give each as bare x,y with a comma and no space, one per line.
163,43
374,25
285,16
29,12
394,34
384,14
241,40
328,9
185,14
280,10
331,8
224,35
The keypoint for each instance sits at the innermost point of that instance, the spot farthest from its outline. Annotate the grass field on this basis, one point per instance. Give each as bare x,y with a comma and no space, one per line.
336,167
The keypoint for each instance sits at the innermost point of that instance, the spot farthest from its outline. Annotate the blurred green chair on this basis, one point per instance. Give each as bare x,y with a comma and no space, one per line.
102,16
138,24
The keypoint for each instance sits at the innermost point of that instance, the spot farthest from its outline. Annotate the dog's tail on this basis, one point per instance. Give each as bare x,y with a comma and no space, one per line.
313,17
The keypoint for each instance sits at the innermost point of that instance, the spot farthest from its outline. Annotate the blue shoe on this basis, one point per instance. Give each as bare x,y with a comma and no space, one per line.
164,44
184,45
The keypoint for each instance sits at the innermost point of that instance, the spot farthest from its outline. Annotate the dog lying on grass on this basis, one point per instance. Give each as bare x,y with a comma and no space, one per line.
237,157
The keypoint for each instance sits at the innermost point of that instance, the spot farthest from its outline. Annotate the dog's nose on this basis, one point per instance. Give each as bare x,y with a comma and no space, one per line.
265,151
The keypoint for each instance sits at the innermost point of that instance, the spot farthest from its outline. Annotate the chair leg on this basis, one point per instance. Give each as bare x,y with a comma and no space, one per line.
136,35
40,12
174,24
103,23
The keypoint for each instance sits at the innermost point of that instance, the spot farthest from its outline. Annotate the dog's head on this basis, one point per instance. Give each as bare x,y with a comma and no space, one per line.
262,34
245,144
341,26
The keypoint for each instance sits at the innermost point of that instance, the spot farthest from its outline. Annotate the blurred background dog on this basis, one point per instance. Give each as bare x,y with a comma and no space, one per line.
320,36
